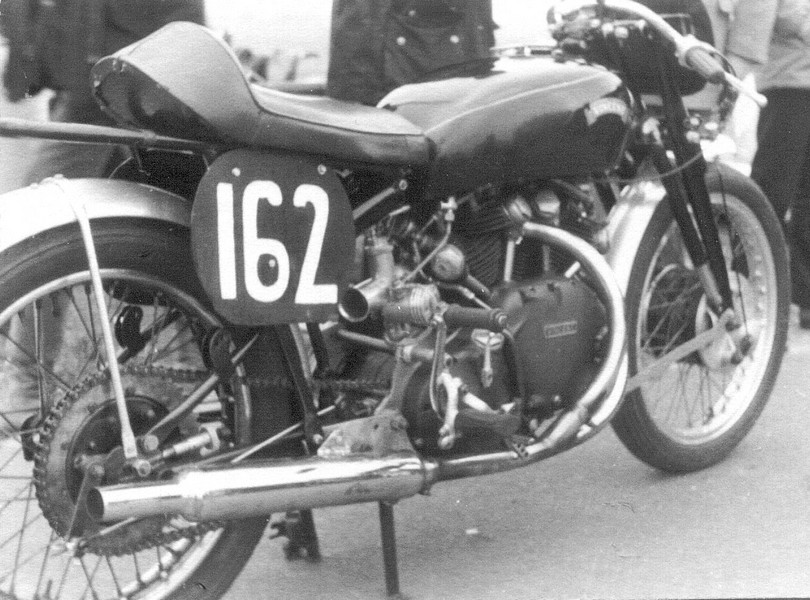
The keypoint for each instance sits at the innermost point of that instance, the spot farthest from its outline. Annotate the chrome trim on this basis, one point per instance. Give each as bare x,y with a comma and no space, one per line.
255,488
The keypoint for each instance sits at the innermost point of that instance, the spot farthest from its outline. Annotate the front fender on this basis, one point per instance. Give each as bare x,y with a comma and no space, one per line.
627,223
33,210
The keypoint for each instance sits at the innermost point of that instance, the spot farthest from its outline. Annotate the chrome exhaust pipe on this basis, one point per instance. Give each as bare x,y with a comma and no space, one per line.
236,491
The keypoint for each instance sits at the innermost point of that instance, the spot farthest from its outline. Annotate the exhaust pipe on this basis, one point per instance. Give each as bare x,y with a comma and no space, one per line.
243,490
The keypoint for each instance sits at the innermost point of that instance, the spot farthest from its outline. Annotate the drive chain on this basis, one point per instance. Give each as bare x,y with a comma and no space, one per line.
166,536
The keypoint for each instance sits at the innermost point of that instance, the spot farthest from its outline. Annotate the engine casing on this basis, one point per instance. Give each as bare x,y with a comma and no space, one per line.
557,324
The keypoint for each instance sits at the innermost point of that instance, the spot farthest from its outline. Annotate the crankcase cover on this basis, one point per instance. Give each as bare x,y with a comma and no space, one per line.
556,324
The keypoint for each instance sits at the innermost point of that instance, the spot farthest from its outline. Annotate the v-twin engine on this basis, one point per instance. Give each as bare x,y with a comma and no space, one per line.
374,458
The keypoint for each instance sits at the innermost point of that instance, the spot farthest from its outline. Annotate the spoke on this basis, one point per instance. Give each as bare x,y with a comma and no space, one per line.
89,576
138,575
25,525
169,346
11,458
63,579
95,335
119,592
45,371
18,553
30,558
169,350
41,385
89,328
12,435
151,355
673,404
693,408
45,558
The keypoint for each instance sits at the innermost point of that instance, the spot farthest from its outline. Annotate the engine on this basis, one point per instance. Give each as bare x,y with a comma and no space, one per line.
519,328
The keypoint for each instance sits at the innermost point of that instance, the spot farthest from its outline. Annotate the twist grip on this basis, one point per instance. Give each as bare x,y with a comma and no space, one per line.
705,64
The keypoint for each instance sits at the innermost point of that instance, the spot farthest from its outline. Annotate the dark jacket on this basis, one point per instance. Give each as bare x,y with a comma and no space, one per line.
53,43
377,45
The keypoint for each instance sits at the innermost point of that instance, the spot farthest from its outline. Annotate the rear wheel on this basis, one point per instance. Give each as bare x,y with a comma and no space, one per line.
694,412
58,415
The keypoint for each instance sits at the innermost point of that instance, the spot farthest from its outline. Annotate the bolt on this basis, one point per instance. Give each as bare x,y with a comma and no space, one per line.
96,471
142,467
150,443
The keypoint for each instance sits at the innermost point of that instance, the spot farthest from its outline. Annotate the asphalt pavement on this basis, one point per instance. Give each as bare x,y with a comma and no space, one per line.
591,523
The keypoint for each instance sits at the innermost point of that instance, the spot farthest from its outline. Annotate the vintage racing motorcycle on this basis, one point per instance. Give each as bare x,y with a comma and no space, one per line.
284,302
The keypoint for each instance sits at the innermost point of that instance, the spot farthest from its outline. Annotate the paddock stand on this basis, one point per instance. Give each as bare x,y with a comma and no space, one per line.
302,541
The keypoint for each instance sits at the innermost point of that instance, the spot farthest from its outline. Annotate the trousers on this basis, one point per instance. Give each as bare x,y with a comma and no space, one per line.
781,167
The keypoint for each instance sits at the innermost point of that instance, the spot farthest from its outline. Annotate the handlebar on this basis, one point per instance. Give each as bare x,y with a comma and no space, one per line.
691,52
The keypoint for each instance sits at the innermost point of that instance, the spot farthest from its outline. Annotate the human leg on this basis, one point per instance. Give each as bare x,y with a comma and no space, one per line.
781,168
783,141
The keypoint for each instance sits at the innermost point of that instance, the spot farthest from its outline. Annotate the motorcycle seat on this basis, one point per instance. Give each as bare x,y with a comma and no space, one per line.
184,81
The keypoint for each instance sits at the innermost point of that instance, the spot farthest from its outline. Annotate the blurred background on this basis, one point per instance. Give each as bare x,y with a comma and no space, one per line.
293,39
289,31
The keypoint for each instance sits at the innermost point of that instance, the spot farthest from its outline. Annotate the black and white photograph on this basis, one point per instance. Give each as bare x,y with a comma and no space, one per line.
404,299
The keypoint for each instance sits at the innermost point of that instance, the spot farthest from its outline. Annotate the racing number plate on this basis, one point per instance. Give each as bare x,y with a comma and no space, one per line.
272,237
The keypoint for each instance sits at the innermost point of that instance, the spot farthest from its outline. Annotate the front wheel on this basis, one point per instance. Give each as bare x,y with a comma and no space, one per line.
693,412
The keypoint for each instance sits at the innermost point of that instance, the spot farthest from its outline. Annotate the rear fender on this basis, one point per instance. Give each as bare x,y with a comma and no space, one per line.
36,209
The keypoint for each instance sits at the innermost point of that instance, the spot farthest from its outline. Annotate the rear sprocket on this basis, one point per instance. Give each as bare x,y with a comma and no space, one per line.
83,428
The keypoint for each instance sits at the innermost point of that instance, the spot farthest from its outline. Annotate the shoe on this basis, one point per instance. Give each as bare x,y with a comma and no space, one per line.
804,318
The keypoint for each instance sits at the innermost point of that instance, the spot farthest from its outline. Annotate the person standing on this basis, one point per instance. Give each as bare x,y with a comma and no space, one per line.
52,45
781,164
378,45
742,32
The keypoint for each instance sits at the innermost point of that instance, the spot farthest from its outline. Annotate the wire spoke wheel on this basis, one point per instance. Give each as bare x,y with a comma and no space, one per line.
58,414
701,406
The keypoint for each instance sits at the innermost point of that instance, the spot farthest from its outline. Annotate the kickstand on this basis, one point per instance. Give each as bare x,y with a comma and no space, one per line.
389,548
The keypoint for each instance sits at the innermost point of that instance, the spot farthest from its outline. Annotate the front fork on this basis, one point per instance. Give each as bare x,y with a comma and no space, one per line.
685,184
691,207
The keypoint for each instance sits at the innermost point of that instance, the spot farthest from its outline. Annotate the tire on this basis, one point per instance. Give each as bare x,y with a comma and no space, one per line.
147,265
695,413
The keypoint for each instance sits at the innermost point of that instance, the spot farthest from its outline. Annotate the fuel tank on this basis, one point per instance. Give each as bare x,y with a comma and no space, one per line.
528,117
